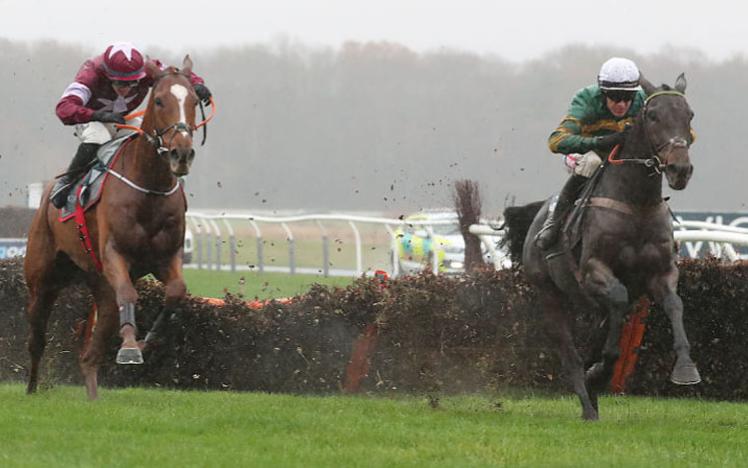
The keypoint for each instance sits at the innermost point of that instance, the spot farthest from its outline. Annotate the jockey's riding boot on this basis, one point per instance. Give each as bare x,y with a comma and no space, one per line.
547,235
81,161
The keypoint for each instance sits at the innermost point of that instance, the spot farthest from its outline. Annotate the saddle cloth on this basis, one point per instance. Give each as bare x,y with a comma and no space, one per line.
87,190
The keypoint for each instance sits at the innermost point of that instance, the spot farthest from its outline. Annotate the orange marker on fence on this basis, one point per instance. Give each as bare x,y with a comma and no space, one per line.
632,336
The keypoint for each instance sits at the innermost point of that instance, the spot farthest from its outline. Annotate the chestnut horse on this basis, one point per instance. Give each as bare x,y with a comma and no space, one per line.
136,228
627,248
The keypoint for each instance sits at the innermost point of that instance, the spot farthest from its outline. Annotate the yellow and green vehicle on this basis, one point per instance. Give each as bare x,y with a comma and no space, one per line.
427,234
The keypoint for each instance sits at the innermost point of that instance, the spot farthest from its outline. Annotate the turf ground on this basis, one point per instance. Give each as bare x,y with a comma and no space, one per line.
146,427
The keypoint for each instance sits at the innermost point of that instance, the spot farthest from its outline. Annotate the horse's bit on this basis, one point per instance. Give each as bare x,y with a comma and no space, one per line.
157,139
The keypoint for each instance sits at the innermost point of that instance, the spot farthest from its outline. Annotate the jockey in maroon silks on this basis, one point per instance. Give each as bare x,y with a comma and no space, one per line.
106,88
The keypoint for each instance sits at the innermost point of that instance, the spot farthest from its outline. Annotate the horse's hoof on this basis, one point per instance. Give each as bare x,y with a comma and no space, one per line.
686,374
129,356
590,416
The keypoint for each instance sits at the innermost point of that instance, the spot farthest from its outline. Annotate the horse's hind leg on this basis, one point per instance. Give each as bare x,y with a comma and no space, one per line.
43,287
663,291
106,324
558,328
602,284
41,299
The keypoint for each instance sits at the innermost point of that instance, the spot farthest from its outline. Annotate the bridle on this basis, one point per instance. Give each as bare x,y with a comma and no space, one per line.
156,138
653,162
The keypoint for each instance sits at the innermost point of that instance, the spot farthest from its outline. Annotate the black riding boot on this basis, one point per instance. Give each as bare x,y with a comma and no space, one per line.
547,235
81,161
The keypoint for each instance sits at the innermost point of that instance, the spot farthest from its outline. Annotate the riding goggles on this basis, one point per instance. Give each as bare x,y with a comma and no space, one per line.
125,84
618,96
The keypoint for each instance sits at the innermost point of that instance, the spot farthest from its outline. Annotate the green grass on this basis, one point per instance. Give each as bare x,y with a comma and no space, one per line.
139,427
208,283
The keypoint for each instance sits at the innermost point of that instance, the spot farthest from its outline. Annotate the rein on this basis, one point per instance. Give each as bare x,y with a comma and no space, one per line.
653,162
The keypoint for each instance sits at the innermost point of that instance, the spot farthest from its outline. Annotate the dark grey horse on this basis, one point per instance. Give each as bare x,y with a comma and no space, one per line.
627,248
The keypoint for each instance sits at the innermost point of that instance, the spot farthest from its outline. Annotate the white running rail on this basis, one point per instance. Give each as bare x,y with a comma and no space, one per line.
209,240
210,230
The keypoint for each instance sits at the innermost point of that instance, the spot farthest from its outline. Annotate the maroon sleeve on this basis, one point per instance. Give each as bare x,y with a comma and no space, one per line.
70,110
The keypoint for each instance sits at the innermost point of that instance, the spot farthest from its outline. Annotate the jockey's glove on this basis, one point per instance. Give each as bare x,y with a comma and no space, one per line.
607,142
106,116
203,93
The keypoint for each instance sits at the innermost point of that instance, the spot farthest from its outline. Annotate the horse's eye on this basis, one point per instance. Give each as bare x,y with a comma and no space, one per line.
652,115
159,102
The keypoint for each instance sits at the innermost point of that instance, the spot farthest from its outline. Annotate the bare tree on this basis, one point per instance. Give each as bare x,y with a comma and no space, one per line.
468,206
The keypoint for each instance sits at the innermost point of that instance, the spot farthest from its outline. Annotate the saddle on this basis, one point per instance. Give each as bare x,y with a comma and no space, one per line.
88,188
570,234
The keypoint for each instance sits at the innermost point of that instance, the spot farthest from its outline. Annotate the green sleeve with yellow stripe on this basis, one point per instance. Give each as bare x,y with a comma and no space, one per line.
587,118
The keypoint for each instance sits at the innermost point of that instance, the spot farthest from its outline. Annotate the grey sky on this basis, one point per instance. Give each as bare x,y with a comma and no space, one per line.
516,30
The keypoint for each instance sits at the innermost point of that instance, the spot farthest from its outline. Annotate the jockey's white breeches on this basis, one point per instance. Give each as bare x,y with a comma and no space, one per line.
100,133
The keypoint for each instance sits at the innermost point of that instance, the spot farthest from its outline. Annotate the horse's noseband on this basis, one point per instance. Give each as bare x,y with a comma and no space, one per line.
668,147
157,139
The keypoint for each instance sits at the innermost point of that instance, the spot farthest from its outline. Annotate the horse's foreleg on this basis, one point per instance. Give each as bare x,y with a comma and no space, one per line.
663,291
175,291
558,328
106,324
117,272
601,283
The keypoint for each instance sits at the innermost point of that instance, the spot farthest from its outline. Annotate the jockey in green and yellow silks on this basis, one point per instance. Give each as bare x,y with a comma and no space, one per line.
595,123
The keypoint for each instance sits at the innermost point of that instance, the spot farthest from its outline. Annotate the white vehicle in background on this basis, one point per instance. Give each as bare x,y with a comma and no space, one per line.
418,243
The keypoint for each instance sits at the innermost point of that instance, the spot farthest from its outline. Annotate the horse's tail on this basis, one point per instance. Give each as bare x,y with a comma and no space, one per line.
517,221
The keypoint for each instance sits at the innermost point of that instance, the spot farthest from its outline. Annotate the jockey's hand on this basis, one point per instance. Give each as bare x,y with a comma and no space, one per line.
203,93
607,142
106,116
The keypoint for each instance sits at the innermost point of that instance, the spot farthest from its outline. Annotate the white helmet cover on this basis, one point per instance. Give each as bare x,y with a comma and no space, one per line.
618,74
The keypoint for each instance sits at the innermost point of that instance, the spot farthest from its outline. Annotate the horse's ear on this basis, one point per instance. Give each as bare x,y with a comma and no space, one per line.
151,68
680,83
187,65
648,87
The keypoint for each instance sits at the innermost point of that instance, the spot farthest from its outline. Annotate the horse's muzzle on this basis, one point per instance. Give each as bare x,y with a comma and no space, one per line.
678,175
180,160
